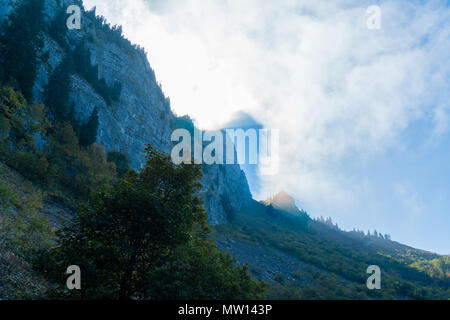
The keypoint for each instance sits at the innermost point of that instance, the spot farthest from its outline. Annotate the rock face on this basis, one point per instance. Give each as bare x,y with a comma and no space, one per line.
283,201
141,116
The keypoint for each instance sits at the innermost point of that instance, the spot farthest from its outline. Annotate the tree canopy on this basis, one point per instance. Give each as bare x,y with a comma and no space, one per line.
146,233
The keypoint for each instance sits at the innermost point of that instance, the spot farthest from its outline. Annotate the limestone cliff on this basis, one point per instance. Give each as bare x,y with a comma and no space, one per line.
141,116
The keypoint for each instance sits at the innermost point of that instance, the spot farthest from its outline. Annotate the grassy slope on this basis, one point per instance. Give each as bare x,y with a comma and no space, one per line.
17,279
342,254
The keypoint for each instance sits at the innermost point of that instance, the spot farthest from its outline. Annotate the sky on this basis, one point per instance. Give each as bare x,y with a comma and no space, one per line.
363,114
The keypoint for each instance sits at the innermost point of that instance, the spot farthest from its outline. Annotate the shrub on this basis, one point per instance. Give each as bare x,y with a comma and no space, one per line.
122,162
22,227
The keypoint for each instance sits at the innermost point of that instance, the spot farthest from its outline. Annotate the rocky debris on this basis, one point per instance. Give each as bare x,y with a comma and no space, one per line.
266,263
58,210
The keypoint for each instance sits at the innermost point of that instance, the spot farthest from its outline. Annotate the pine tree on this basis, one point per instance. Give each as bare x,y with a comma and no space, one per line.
57,92
87,133
21,44
122,162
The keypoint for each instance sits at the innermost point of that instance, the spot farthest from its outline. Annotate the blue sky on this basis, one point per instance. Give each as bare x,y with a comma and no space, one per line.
363,114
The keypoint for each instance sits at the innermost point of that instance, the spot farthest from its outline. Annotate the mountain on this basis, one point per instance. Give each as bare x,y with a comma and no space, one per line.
302,258
284,202
106,89
142,114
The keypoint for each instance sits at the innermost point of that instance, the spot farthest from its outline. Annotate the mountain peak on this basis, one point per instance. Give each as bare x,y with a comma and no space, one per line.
283,201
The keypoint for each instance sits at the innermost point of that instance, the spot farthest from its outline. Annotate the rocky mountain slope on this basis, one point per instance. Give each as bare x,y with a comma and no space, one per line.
141,116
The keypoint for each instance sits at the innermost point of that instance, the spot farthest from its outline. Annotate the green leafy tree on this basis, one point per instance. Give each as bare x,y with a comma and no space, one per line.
133,231
19,121
80,170
199,271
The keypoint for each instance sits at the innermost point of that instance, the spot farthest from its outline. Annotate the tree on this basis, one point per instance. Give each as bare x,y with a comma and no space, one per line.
199,271
21,125
19,122
80,170
115,91
58,28
87,132
122,162
129,232
57,92
21,42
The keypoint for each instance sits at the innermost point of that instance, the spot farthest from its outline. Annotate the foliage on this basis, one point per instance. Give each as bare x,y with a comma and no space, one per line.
184,122
23,230
121,160
80,170
60,159
130,234
435,268
22,227
83,66
19,122
338,253
87,132
58,88
114,34
20,126
57,92
79,60
199,271
58,28
20,46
